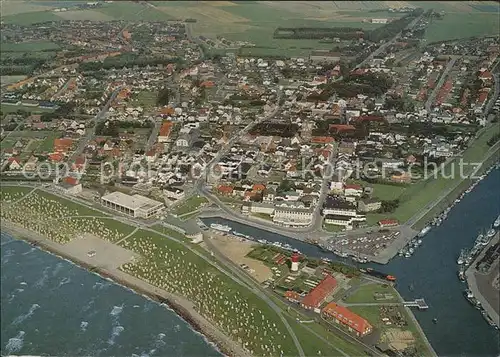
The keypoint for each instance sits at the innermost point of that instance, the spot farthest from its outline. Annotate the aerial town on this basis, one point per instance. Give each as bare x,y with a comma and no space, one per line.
123,133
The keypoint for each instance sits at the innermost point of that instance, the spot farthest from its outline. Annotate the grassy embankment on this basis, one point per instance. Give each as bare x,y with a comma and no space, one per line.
190,205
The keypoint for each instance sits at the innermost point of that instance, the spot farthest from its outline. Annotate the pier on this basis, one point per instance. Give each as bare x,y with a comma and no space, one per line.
420,303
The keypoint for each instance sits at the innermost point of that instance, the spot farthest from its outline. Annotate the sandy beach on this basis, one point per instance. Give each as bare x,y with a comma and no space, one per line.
106,260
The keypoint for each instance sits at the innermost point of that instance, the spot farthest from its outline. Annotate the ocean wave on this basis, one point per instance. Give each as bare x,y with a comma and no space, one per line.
57,268
89,305
29,251
83,326
41,282
117,330
23,317
15,344
116,311
64,281
100,286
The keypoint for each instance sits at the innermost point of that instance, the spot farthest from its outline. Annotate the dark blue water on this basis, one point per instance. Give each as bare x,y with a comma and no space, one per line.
52,307
461,330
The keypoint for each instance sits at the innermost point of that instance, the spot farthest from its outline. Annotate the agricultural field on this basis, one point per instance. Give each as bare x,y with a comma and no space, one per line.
58,219
463,25
232,308
33,46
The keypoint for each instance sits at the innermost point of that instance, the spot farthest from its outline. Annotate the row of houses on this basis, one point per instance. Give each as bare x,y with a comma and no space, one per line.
340,314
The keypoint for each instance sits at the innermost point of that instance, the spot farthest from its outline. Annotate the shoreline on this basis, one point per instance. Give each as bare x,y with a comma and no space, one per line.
179,305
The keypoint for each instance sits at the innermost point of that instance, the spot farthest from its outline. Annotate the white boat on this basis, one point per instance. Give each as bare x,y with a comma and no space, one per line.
220,227
490,233
496,224
262,241
424,231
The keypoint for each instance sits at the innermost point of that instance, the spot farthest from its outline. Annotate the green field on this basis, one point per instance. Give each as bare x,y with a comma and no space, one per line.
6,80
8,108
47,144
191,204
365,293
463,25
130,11
32,46
30,18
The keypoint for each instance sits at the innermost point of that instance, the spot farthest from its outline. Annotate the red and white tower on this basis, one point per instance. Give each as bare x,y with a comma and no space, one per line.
295,261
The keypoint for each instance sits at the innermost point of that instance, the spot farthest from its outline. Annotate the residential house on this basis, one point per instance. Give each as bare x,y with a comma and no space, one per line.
369,205
343,316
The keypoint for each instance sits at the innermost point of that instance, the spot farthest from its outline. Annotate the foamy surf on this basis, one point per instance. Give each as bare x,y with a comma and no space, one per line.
117,330
15,344
83,326
64,281
26,316
41,282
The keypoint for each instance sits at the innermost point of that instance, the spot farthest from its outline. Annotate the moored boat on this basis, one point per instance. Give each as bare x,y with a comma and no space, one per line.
220,227
496,224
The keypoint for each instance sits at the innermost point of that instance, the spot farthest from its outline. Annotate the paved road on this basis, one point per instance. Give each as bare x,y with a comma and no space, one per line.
435,91
158,122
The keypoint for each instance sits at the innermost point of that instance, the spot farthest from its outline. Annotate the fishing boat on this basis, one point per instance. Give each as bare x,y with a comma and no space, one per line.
496,224
435,320
490,233
220,227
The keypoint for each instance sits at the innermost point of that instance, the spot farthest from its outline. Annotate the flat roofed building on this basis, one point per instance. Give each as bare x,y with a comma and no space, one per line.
136,206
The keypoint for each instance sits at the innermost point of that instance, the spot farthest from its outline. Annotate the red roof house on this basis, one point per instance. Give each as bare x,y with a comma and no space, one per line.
345,316
388,223
316,296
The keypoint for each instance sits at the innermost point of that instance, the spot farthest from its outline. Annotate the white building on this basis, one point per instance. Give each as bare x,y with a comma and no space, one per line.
135,206
290,216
